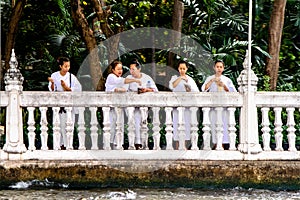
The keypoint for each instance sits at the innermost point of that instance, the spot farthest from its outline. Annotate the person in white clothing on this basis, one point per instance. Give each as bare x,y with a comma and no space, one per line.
218,83
147,85
182,83
116,83
62,81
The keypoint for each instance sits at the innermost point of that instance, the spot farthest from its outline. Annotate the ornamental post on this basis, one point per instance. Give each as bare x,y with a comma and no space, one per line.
249,142
13,80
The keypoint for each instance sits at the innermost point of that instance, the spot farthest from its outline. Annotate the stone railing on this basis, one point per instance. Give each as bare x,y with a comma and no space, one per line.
245,109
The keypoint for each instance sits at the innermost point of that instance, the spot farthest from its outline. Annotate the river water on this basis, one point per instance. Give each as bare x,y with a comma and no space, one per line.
44,190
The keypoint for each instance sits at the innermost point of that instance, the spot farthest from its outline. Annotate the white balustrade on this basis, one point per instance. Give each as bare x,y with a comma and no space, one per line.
81,129
194,128
156,128
94,128
56,128
206,129
144,128
278,129
44,128
31,128
231,128
131,127
266,129
291,129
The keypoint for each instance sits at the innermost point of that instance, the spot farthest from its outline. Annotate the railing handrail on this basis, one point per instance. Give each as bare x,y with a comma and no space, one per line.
274,99
130,99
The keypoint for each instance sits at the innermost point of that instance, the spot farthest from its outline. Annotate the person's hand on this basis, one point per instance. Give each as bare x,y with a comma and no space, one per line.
64,86
50,80
138,81
184,78
187,87
143,90
220,83
120,90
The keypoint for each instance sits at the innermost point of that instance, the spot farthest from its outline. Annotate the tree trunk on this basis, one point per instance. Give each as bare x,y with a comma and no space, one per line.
91,43
11,35
177,19
102,16
275,33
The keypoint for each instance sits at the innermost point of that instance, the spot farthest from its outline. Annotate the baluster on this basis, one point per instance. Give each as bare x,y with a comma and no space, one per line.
156,128
56,128
278,129
44,128
144,128
219,128
291,129
69,128
206,129
181,128
81,129
169,133
94,129
194,128
119,128
31,129
231,128
131,127
265,128
106,128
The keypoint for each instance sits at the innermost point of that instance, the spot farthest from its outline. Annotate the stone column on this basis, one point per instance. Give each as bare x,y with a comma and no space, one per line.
13,80
249,142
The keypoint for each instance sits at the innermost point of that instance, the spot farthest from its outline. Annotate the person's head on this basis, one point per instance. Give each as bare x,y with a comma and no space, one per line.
219,67
64,64
117,68
135,68
182,67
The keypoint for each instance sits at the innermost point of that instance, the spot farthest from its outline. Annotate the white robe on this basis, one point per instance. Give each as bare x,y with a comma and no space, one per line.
187,113
76,87
113,82
213,114
140,115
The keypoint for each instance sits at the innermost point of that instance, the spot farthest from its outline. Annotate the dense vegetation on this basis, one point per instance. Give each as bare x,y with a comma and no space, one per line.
47,31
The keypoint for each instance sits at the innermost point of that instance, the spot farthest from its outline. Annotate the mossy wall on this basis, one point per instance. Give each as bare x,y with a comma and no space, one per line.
155,173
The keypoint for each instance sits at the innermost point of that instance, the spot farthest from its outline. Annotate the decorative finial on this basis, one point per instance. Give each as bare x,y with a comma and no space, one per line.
13,78
13,63
245,63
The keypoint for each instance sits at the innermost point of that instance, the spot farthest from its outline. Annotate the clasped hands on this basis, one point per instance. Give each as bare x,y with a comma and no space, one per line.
218,81
63,84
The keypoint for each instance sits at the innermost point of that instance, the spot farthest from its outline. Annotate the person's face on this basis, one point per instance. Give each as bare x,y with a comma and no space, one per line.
219,68
118,70
135,72
182,68
65,67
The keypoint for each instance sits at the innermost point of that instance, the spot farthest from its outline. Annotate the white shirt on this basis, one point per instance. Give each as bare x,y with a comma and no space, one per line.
181,85
57,77
113,82
133,87
214,87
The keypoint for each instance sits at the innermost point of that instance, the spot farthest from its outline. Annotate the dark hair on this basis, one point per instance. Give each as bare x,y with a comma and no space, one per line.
114,64
221,61
61,60
182,62
136,63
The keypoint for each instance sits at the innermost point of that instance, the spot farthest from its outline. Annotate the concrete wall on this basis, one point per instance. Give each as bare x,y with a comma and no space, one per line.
156,173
